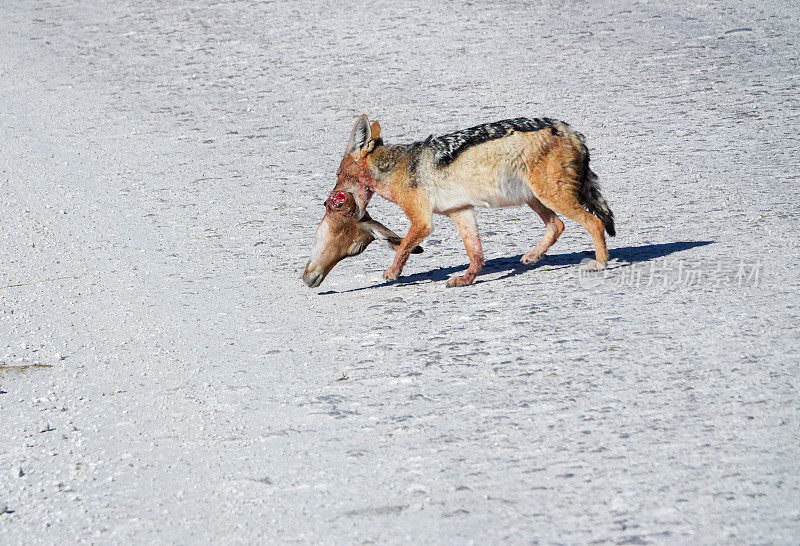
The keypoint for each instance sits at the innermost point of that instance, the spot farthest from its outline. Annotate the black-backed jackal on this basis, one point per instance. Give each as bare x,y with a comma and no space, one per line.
541,163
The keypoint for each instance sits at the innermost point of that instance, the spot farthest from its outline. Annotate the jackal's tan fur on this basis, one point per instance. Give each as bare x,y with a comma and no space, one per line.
541,163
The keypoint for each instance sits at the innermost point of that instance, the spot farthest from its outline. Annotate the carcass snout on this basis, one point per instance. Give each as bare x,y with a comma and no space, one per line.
313,278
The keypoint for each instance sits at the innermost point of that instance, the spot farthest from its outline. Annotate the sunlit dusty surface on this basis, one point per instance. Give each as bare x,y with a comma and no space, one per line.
163,166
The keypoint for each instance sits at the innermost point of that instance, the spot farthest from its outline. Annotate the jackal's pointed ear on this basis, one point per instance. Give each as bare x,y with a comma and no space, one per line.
360,143
375,130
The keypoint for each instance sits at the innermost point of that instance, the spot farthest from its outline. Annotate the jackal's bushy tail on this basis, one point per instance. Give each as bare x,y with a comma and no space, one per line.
589,193
593,200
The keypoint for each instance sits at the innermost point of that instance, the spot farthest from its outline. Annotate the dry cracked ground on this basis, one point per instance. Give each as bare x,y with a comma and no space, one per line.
166,377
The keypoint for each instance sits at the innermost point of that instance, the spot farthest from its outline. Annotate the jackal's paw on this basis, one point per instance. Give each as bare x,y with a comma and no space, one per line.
391,274
531,257
463,280
587,264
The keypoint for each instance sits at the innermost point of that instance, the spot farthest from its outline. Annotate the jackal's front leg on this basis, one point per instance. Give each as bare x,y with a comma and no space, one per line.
468,228
417,232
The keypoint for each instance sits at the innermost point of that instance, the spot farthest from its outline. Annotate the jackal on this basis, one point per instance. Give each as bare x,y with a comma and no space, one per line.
542,163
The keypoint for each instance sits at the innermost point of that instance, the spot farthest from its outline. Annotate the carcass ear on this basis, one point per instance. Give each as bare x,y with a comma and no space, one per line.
360,243
361,142
379,231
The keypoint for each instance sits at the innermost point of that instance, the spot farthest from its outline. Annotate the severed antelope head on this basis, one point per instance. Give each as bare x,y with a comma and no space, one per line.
341,234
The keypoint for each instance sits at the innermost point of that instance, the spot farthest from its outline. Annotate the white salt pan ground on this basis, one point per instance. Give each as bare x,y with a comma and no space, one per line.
163,167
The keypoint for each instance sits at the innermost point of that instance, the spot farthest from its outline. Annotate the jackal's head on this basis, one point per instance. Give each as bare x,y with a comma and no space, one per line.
341,234
347,229
354,172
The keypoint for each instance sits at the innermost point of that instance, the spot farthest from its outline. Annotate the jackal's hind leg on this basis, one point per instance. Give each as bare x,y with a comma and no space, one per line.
566,203
554,227
468,228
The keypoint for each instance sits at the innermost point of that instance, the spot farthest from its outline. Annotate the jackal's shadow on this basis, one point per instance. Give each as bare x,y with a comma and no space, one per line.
512,265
